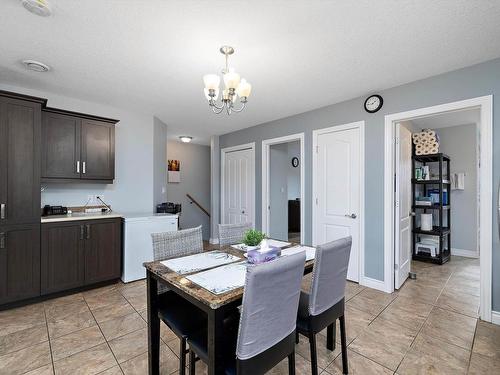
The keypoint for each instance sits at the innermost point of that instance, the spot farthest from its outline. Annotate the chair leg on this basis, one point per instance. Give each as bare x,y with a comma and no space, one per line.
343,340
331,333
192,362
297,339
314,354
182,356
291,363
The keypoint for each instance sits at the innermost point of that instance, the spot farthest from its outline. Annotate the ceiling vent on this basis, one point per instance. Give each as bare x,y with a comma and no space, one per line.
36,66
38,7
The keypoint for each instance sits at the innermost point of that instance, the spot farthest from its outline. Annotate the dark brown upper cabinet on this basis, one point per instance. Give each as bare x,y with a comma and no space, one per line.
20,118
98,150
61,146
77,147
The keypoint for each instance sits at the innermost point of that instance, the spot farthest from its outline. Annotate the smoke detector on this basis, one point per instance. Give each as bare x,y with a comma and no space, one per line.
36,66
38,7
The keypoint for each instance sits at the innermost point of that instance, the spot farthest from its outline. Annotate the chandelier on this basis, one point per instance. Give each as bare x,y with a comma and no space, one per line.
234,87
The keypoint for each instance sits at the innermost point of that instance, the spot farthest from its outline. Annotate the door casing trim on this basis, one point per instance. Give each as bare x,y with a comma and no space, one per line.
485,105
266,193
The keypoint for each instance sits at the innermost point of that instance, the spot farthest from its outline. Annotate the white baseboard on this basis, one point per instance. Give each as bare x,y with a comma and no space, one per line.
495,317
372,283
213,241
464,253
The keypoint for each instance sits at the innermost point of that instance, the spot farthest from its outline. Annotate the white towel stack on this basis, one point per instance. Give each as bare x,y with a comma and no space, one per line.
426,142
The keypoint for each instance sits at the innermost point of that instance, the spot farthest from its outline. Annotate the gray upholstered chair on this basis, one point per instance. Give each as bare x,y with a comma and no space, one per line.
265,333
324,304
230,234
178,314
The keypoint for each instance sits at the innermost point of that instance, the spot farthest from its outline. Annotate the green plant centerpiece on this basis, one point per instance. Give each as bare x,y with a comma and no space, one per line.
253,237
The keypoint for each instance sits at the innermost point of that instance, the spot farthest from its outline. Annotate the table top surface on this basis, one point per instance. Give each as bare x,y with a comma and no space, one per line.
199,293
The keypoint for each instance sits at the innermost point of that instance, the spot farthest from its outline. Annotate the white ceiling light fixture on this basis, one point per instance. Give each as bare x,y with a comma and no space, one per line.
38,7
36,66
234,87
185,138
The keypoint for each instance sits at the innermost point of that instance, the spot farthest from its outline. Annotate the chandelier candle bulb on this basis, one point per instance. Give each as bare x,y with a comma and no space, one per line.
244,89
231,79
212,81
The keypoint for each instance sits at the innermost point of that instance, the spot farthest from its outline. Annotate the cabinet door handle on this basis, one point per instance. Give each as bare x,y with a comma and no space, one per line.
81,232
88,231
2,240
2,211
78,166
84,169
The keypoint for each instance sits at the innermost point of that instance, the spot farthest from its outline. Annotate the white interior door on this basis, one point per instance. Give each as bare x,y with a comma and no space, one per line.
403,206
238,187
338,200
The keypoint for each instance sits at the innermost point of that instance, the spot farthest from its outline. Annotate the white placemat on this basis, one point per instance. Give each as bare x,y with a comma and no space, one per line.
198,262
276,243
221,279
270,243
243,247
310,251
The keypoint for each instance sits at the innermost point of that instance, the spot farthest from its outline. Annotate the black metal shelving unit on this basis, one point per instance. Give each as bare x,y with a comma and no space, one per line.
422,187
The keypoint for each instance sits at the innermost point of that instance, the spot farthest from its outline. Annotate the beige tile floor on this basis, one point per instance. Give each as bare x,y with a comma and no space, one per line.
429,327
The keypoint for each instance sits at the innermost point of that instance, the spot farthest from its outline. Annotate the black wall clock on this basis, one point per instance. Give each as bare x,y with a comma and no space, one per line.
373,103
295,162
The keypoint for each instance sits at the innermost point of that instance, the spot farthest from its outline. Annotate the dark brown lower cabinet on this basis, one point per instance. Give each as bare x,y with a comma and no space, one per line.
80,253
62,256
102,251
19,262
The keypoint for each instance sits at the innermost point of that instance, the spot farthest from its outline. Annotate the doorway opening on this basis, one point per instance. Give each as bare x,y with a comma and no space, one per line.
283,188
438,189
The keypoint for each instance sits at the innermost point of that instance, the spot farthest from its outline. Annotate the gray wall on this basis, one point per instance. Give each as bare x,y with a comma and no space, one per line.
293,173
278,191
214,185
159,163
460,144
474,81
195,180
132,189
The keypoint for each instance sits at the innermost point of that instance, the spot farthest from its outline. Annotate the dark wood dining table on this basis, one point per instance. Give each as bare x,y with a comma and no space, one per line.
216,307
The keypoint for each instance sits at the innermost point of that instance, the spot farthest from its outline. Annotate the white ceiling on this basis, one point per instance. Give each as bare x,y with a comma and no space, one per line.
448,119
299,55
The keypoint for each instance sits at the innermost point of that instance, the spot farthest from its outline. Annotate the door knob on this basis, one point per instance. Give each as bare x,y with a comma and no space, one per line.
352,216
413,213
243,211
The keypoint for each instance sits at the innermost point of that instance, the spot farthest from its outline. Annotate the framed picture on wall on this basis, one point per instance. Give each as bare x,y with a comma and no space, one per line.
174,170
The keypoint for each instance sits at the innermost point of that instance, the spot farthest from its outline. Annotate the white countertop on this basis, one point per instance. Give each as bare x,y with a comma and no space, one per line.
131,216
80,216
134,215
